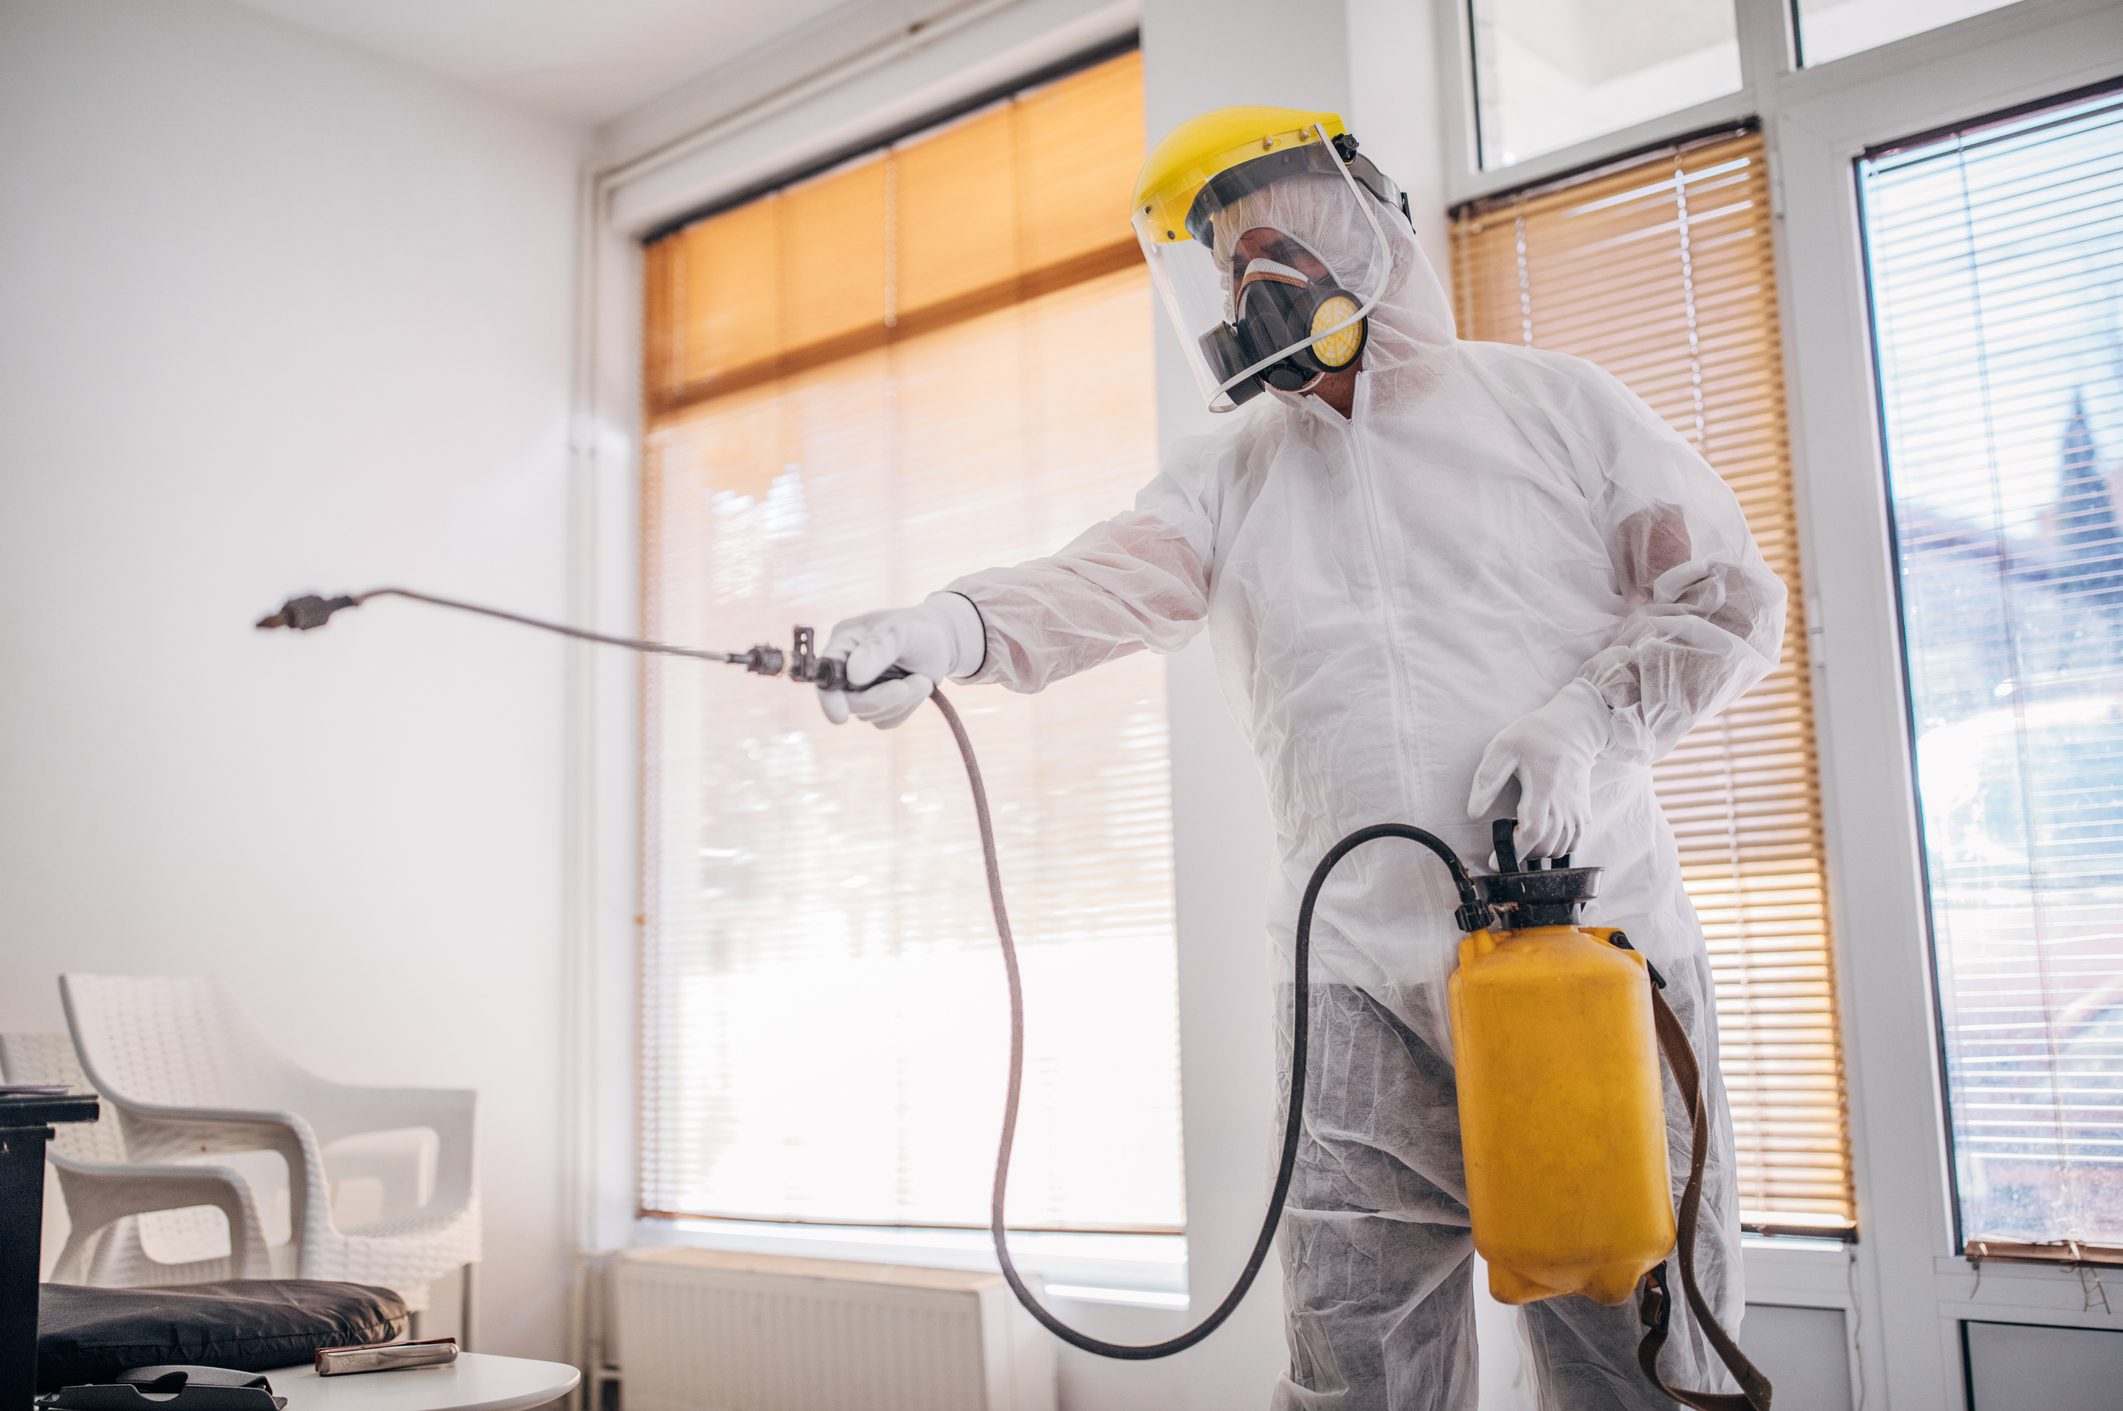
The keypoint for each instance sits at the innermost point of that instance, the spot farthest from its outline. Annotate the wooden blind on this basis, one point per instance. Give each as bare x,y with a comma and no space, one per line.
932,359
1661,272
1006,204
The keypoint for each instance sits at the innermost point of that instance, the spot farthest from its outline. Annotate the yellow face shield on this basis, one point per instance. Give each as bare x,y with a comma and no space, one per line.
1262,229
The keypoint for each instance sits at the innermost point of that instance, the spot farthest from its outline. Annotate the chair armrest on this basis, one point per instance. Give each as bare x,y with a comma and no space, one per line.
343,1110
155,1130
137,1187
340,1110
400,1164
97,1194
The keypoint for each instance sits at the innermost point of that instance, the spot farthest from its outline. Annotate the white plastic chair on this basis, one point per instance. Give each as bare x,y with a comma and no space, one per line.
204,1213
184,1069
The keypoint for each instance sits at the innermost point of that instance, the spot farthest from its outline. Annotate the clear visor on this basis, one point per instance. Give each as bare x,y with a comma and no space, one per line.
1308,227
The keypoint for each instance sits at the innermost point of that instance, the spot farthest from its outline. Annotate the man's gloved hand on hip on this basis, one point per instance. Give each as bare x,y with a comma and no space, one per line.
1551,752
941,636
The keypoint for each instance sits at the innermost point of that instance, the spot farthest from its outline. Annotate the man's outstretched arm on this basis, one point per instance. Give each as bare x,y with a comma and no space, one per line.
1140,579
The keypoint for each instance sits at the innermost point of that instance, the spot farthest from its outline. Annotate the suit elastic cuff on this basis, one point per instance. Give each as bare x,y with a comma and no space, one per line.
969,633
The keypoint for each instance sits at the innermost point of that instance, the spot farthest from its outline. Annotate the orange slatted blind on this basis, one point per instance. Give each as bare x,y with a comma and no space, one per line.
927,361
1661,272
1006,204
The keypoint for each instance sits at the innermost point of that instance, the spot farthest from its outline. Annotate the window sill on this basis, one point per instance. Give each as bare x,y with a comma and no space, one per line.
2013,1291
1133,1270
1797,1271
1150,1271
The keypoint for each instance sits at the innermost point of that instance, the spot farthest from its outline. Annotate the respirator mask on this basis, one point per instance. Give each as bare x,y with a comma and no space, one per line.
1265,235
1295,326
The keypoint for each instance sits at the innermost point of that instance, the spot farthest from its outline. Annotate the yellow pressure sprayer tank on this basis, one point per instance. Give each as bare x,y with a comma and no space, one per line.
1562,1113
1558,1031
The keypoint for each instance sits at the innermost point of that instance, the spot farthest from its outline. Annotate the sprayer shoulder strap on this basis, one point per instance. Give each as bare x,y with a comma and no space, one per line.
1654,1302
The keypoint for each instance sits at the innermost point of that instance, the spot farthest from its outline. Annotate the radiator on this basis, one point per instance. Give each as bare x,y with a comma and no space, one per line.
709,1330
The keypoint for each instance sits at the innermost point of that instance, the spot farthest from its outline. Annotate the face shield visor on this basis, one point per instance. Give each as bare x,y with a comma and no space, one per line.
1268,258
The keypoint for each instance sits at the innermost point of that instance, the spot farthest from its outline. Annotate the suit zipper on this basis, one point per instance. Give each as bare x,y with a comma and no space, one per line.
1396,679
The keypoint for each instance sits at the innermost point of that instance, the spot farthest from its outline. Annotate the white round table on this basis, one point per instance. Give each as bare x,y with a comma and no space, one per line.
476,1381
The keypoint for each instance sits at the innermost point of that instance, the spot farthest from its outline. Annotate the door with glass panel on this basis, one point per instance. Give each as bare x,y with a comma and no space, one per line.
1994,257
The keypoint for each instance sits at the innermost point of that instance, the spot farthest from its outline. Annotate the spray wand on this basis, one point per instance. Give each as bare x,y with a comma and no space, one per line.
311,611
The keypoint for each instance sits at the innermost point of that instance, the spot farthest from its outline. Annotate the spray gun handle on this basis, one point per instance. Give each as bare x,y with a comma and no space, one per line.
1504,845
830,673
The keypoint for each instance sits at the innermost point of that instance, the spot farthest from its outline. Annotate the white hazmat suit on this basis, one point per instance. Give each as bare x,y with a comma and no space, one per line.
1501,552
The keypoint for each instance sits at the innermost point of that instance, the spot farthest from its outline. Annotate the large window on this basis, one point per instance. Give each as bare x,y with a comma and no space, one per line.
1661,272
1996,258
934,358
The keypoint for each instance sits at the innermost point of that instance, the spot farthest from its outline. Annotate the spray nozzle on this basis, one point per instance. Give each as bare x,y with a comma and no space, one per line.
761,660
306,612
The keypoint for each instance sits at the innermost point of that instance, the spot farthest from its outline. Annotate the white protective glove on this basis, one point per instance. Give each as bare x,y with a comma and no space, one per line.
1551,752
942,636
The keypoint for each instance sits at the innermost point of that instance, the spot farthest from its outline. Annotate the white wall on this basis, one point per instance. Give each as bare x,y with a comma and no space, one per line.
276,315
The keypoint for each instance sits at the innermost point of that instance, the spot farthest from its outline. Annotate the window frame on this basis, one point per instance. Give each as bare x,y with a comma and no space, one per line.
1903,1286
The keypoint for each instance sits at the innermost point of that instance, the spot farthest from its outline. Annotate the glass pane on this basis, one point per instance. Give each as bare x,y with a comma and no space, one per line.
1997,283
1549,73
1829,29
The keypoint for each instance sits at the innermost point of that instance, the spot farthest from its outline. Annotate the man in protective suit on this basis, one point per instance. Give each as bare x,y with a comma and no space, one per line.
1431,570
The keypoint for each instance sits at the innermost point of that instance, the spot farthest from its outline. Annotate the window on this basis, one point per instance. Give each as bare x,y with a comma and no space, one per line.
1661,272
1996,259
933,358
1830,29
1549,74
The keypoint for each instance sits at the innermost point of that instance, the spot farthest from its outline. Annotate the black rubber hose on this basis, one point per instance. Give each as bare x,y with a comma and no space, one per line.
1294,1102
309,612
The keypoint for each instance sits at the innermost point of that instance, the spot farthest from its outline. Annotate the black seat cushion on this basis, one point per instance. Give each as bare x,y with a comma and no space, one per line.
248,1325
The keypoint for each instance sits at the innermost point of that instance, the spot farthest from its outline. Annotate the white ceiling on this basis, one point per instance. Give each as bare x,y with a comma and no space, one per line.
581,61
